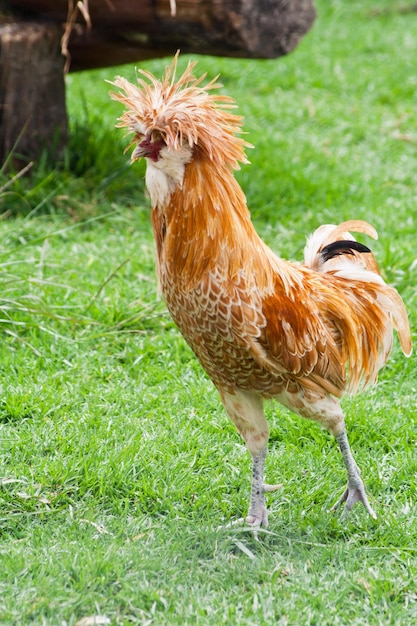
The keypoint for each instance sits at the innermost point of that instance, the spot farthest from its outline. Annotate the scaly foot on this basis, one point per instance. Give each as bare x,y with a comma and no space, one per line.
355,491
258,514
352,494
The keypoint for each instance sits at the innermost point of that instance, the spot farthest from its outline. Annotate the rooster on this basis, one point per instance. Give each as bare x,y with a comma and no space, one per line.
261,327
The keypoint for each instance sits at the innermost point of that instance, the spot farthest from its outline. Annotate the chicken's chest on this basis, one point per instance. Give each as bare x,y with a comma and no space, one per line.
209,316
215,312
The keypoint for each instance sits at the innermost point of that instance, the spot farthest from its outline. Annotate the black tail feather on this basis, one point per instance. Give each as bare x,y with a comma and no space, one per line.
338,248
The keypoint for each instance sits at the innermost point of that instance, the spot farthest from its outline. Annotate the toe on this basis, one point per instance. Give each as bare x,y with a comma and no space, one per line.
351,496
269,488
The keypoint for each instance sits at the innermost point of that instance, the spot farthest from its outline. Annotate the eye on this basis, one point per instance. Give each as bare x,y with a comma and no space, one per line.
156,137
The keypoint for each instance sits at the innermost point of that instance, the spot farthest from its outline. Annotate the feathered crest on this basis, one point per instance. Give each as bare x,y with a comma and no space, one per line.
182,111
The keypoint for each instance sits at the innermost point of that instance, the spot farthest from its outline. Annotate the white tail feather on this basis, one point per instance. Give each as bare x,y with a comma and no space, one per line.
330,233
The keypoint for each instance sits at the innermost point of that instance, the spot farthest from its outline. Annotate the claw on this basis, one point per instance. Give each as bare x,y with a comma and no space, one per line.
351,495
270,488
257,516
258,519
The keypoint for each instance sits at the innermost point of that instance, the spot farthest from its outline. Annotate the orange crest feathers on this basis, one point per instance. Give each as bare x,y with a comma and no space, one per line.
182,112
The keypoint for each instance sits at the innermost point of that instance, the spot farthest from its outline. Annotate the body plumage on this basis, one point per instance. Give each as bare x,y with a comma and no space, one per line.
262,327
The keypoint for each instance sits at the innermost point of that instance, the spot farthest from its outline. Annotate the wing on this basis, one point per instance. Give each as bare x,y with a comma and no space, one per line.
332,332
300,339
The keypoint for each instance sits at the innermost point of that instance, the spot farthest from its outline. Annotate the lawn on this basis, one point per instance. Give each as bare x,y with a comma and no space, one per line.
119,470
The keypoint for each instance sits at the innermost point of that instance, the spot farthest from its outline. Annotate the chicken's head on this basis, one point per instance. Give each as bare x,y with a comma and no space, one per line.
180,115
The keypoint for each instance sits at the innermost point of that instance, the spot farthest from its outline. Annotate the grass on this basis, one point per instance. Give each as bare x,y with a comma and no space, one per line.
118,463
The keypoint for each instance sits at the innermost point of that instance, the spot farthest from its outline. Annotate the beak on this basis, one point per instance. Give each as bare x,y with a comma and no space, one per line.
148,148
143,149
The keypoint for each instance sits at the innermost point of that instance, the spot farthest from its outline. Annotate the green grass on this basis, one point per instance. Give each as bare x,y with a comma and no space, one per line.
117,461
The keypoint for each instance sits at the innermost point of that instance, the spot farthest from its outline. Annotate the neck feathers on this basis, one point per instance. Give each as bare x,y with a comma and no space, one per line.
205,225
166,174
206,228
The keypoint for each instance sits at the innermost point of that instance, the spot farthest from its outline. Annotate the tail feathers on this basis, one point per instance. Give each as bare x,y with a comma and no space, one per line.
391,301
333,248
337,248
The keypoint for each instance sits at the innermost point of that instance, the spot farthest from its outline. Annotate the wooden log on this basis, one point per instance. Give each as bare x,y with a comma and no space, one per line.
125,31
112,32
32,90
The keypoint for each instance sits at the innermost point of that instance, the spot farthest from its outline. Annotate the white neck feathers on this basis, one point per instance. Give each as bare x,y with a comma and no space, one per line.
165,174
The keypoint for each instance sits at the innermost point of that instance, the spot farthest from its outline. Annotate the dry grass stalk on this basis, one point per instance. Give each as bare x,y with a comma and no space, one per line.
82,7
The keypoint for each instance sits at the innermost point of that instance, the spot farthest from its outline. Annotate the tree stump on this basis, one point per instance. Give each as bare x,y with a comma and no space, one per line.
102,33
32,90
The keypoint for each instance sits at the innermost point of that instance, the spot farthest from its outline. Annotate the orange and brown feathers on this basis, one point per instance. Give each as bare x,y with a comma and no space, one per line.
255,321
357,264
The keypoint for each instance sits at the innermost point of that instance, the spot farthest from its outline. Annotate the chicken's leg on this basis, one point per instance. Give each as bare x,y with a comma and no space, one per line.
246,411
355,490
258,514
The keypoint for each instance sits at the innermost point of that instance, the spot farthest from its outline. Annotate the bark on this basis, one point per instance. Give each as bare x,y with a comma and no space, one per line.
32,90
124,31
